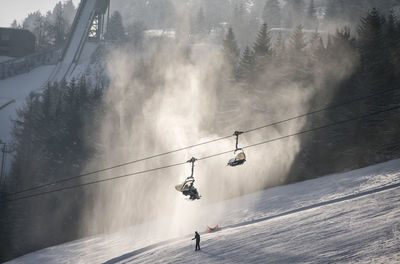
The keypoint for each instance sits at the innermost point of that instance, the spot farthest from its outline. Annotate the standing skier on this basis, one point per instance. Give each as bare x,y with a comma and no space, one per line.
197,237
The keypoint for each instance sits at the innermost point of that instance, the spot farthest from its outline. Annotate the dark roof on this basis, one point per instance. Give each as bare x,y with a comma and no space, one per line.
3,29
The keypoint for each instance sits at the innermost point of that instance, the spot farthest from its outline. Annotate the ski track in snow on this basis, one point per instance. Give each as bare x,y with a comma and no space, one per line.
342,218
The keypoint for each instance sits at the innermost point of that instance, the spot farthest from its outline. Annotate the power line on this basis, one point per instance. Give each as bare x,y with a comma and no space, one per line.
207,157
115,166
306,131
201,143
93,182
323,109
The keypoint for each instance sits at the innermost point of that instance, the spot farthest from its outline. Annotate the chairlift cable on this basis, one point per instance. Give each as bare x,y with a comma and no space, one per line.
199,144
93,182
329,107
115,166
206,157
304,131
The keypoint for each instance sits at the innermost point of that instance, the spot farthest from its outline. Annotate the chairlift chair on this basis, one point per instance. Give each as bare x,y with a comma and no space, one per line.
239,158
187,188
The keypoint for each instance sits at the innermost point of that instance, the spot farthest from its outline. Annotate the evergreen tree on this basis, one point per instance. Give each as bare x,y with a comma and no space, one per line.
246,66
115,31
262,45
341,43
14,24
375,58
52,28
54,125
376,74
60,25
48,140
300,68
317,48
392,35
69,11
314,39
297,41
262,48
272,13
35,23
25,143
231,50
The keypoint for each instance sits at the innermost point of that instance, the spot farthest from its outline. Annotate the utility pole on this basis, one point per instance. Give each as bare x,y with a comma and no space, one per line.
3,162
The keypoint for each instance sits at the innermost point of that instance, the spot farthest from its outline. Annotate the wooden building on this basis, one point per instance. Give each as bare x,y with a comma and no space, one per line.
16,42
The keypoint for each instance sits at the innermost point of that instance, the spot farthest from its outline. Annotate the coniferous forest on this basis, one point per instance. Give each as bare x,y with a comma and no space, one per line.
56,133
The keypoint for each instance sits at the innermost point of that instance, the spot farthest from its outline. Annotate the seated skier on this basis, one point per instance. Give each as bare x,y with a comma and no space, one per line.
194,194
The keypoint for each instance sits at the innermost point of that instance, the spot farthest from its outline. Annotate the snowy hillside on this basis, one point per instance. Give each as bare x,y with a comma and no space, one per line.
18,88
341,218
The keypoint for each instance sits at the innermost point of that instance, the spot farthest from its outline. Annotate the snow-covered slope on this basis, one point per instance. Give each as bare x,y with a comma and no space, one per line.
18,88
341,218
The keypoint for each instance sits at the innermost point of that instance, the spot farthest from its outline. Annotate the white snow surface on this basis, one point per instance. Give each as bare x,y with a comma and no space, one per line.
353,217
18,88
76,43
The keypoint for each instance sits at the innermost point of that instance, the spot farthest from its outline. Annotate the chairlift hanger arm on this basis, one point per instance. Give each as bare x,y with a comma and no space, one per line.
192,160
237,133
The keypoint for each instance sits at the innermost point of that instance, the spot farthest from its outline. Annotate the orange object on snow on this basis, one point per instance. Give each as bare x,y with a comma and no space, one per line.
210,229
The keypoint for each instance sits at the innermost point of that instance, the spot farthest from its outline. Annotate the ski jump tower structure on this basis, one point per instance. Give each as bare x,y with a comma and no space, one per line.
86,33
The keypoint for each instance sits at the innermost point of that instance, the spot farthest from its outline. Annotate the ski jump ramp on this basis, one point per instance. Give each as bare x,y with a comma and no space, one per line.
86,33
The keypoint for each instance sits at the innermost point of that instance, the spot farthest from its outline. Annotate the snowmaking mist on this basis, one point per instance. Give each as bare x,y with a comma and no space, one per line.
176,94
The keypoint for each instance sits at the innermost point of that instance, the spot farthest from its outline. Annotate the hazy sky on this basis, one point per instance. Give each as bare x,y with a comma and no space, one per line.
19,9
